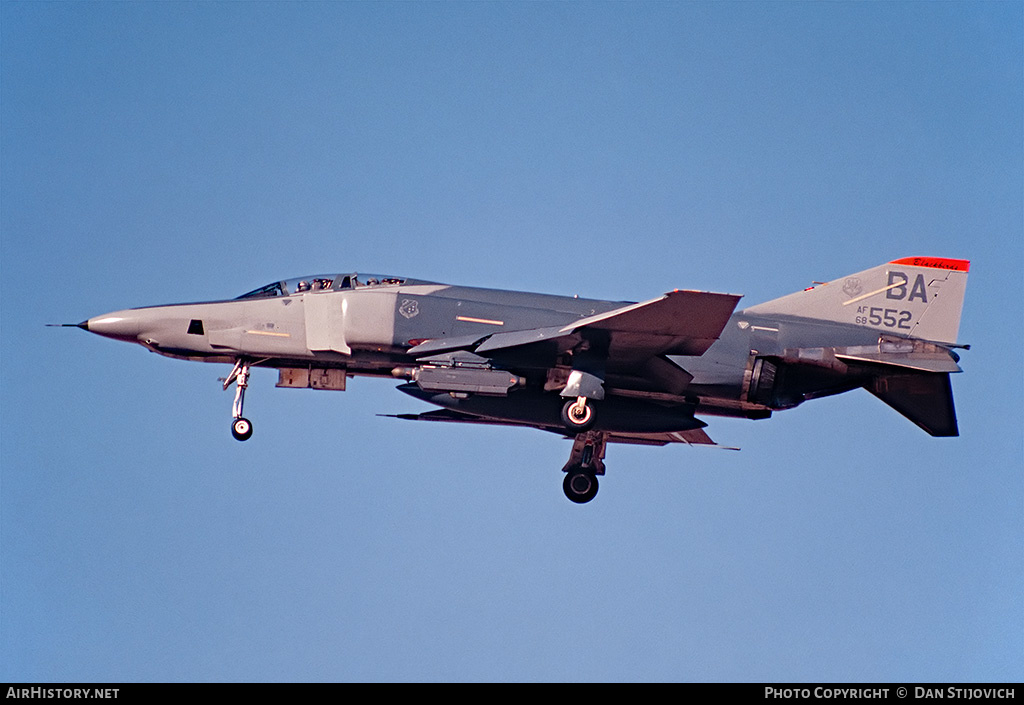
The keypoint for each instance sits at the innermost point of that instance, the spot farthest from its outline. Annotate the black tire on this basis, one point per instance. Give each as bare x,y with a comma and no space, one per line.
241,429
575,420
580,486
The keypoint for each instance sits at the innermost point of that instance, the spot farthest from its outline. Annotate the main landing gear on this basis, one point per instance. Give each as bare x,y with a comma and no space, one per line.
578,415
586,462
581,390
241,428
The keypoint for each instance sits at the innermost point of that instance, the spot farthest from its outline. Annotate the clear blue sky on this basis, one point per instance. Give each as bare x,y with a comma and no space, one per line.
166,152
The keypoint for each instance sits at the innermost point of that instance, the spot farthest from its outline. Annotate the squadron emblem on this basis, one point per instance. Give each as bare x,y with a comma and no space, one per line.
410,308
852,287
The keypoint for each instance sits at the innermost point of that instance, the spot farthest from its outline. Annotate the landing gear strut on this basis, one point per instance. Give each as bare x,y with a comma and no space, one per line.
241,428
586,462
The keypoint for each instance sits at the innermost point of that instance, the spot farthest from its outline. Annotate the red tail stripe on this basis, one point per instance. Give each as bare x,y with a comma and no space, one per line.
958,265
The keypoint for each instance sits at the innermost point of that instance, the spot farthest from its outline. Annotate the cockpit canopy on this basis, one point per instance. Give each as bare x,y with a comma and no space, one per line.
321,282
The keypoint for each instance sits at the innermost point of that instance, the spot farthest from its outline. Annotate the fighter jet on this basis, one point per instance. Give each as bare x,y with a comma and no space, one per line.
594,371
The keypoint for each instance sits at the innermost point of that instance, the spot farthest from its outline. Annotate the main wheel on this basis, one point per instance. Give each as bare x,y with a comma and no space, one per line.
241,429
579,485
577,417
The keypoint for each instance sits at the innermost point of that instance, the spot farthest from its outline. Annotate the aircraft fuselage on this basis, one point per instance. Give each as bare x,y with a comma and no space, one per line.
595,370
369,331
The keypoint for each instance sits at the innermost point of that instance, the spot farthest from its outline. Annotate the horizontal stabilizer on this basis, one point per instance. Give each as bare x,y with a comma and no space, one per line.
924,398
922,362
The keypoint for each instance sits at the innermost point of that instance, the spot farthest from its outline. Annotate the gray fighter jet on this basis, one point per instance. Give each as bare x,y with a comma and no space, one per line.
594,371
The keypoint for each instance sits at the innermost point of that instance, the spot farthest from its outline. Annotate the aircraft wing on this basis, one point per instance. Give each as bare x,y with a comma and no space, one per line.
680,322
452,416
695,436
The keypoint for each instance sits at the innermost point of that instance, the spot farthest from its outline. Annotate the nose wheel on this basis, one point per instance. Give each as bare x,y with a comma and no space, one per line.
241,428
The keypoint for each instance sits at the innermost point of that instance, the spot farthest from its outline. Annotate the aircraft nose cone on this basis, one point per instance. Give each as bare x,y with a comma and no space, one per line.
121,325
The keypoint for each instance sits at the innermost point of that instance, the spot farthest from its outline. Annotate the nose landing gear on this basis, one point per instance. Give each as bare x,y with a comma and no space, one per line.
241,428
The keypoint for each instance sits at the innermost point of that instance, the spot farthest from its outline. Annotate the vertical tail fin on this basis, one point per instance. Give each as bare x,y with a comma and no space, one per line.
918,297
